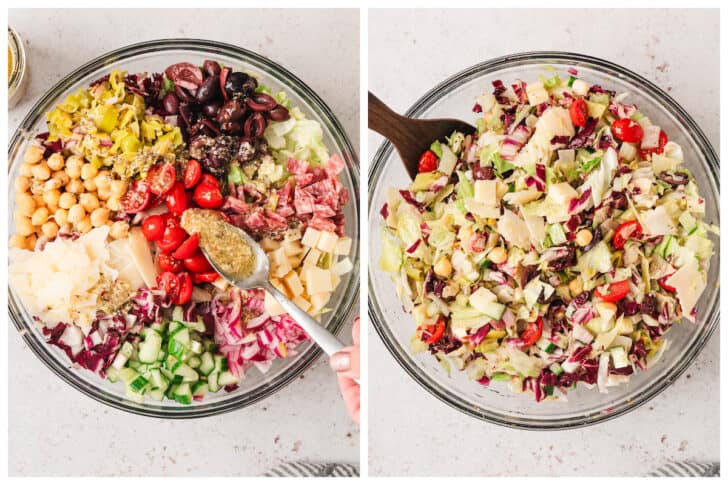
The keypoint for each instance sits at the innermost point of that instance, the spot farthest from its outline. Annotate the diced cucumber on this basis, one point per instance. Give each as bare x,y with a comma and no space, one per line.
199,389
127,375
133,364
494,310
139,384
227,378
149,348
112,374
181,335
158,380
212,382
556,368
221,364
156,394
183,394
194,362
178,314
207,363
173,326
500,376
124,353
188,373
196,347
171,363
196,326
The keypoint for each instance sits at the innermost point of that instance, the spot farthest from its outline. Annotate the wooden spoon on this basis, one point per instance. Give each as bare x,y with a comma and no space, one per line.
410,137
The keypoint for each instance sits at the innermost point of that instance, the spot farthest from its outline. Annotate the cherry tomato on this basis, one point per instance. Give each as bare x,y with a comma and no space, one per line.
627,230
627,129
169,284
663,283
187,248
428,162
662,141
579,112
177,199
532,333
185,288
198,263
168,263
161,178
172,238
208,196
193,172
436,331
208,277
136,199
209,179
616,292
153,227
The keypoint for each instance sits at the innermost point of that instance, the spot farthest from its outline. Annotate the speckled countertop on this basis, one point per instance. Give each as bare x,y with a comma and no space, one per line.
55,430
411,432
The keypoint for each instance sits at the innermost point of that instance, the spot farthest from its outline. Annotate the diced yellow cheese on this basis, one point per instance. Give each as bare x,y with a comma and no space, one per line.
327,241
318,280
272,306
335,279
312,257
301,303
311,237
343,246
280,286
282,270
319,300
269,244
294,283
342,267
291,248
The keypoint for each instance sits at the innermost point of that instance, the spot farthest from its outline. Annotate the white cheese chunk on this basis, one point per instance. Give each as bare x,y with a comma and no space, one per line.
536,229
651,137
343,246
293,282
522,197
657,222
481,298
580,87
514,230
562,193
327,241
485,192
342,267
689,284
311,237
318,280
536,93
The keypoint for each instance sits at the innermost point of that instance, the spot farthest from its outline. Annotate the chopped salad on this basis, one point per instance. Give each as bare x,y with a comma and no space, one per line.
556,245
100,257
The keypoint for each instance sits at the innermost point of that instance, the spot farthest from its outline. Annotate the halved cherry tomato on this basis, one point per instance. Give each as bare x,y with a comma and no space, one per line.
172,238
185,288
169,284
428,162
532,333
616,292
436,331
198,263
208,196
663,283
208,277
209,179
161,178
579,112
153,227
177,199
168,263
625,231
627,129
193,172
136,199
187,248
662,141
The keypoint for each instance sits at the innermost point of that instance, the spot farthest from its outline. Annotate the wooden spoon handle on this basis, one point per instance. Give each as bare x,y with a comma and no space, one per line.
381,118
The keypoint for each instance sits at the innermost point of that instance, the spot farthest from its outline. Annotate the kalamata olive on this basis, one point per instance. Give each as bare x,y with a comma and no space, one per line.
208,89
185,113
232,110
224,73
261,102
170,103
184,74
211,109
183,94
211,68
234,82
279,113
674,179
232,128
254,125
211,126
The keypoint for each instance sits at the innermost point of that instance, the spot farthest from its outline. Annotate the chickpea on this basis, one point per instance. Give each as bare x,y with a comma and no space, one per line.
66,200
34,154
24,227
25,170
119,229
103,193
103,179
56,161
75,186
76,214
114,203
99,217
31,242
52,184
38,199
40,216
50,229
576,286
61,217
450,290
22,184
498,255
89,185
62,177
41,171
84,225
17,241
88,202
118,188
88,171
443,267
36,187
73,166
584,237
26,204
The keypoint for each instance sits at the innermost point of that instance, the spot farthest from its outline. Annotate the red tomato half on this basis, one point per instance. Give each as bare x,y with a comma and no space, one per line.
627,129
187,248
153,227
169,283
185,288
436,331
532,333
209,179
579,112
208,196
616,292
208,277
168,263
428,162
161,178
136,199
198,263
629,229
177,199
662,141
193,172
172,238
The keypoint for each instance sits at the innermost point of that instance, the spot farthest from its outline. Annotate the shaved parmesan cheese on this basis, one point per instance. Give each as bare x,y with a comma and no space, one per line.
562,193
662,163
521,197
555,121
479,209
485,192
536,229
514,230
141,254
689,284
657,222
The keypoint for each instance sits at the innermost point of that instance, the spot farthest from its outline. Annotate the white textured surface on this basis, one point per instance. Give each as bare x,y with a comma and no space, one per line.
55,430
411,432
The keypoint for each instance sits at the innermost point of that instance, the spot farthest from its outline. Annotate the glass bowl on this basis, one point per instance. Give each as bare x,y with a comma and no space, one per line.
155,56
454,98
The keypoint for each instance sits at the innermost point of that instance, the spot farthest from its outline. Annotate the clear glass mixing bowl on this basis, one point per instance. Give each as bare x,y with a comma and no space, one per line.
155,56
454,98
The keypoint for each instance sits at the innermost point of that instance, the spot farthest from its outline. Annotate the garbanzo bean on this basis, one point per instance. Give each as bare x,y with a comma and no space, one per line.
118,188
22,184
25,203
25,170
41,171
73,166
24,227
100,216
114,203
62,177
84,225
75,186
88,171
89,185
17,241
56,161
88,201
61,217
66,200
34,154
31,241
103,179
119,229
51,184
50,229
40,216
103,193
76,214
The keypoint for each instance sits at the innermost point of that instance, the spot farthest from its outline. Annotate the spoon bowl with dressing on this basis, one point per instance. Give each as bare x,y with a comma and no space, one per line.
239,259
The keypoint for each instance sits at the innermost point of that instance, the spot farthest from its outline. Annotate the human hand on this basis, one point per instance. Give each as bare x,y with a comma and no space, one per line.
346,364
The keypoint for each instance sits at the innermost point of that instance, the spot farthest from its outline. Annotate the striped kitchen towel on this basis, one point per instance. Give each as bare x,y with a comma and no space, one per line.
304,469
687,469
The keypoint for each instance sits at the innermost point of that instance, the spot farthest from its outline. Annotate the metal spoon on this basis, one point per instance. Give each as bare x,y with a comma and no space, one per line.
259,278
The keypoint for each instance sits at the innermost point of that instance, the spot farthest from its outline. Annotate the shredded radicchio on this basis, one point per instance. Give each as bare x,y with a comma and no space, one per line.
584,137
410,199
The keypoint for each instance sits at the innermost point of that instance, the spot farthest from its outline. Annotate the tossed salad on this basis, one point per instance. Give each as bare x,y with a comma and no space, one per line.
100,256
556,245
